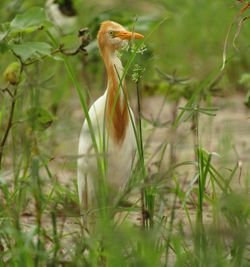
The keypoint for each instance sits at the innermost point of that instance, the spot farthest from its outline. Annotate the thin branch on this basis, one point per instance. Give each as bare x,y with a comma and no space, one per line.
9,125
7,90
60,49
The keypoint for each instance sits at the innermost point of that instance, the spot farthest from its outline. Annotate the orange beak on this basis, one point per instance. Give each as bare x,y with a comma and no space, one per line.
124,35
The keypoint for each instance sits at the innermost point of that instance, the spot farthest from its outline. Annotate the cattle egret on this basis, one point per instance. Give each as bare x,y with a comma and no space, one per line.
110,117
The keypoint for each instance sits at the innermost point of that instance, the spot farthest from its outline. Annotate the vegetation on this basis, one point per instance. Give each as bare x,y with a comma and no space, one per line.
188,206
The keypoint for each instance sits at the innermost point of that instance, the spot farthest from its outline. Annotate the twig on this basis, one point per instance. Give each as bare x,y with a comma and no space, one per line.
7,90
9,125
60,49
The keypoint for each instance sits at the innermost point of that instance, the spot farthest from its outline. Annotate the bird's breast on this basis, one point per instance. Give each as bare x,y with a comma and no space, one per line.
118,155
120,158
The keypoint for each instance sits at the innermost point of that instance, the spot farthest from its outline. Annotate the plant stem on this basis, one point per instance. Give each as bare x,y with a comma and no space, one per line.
173,131
141,156
145,199
171,224
9,125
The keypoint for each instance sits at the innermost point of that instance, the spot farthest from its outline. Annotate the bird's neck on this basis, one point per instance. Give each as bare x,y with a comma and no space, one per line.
114,70
116,110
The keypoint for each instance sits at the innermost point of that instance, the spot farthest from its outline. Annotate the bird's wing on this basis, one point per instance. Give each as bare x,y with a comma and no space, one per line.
96,115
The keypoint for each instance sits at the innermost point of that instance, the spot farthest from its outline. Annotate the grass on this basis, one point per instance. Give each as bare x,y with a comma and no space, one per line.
188,210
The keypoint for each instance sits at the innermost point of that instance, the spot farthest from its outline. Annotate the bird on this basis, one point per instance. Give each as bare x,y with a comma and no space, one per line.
112,123
63,14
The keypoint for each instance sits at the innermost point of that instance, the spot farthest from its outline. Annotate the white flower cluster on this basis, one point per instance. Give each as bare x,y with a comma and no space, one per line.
137,73
133,48
140,50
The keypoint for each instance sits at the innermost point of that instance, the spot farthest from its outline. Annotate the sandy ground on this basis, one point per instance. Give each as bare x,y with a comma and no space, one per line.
226,135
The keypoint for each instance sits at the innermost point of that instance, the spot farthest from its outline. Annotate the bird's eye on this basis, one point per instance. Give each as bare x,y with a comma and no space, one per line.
111,33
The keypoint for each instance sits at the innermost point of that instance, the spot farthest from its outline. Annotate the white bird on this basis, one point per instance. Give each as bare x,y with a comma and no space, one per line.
110,117
63,14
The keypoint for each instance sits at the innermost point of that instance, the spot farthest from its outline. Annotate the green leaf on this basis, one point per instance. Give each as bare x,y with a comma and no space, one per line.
3,48
39,118
31,49
2,36
4,30
32,20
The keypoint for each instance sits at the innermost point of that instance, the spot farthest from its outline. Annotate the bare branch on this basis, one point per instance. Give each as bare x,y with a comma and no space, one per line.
9,125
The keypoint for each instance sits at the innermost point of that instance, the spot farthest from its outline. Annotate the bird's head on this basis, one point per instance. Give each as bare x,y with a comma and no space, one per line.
113,35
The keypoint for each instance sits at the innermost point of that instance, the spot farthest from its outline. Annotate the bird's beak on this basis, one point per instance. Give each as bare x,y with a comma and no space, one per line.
124,35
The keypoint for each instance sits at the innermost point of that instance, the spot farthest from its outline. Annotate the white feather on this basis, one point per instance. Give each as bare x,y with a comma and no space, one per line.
120,156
